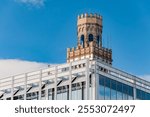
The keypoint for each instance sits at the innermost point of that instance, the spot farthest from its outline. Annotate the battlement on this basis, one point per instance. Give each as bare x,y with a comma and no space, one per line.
73,49
86,15
89,19
91,52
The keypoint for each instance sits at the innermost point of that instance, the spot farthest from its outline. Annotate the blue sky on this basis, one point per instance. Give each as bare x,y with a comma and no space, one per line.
41,30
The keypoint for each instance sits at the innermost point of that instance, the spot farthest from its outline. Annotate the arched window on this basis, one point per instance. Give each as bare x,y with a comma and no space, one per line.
98,41
82,40
90,37
82,29
79,29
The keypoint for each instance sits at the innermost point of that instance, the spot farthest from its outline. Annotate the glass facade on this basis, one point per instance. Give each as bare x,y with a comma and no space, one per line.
113,90
141,95
109,89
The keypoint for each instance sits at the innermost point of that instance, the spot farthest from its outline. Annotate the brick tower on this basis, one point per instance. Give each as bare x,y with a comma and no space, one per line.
89,35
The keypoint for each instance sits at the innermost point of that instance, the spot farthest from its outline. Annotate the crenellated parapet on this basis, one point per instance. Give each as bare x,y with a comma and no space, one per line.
86,15
89,19
92,52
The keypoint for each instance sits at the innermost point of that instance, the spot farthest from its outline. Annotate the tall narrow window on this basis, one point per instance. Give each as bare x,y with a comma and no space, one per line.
90,37
98,41
82,40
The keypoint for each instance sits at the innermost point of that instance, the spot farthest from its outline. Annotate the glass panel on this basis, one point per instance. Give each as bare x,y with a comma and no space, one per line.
62,93
77,91
119,95
113,84
130,93
138,94
107,93
101,80
66,92
74,92
113,94
130,97
119,86
125,96
125,89
59,94
113,90
125,92
79,94
101,92
119,91
148,96
51,94
107,82
43,95
73,95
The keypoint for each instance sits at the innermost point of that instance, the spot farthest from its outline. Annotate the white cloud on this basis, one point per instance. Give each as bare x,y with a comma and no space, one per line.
9,67
36,3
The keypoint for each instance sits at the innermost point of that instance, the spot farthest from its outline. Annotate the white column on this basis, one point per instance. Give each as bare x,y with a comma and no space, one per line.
40,85
55,89
97,87
12,88
25,87
46,94
87,79
70,81
95,83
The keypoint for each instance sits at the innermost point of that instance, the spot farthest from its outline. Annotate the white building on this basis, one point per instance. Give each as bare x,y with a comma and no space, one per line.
88,73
